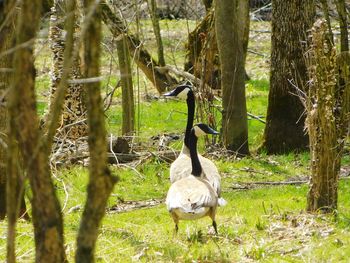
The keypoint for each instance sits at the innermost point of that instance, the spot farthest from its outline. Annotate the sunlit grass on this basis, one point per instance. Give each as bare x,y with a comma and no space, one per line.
245,229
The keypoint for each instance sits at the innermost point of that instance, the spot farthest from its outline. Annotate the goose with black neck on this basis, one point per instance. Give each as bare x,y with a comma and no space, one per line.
181,167
193,197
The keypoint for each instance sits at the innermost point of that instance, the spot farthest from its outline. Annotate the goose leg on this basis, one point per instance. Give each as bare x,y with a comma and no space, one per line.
176,221
215,227
212,216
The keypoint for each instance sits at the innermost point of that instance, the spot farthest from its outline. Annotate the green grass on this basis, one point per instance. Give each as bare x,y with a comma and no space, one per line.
266,224
247,227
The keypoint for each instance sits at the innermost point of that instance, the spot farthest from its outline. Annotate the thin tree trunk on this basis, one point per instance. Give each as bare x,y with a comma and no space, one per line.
127,87
284,130
327,127
321,123
234,115
152,6
161,80
24,122
6,39
12,201
101,181
344,35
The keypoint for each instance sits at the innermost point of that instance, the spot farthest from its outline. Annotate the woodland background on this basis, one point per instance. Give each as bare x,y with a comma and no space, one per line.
86,137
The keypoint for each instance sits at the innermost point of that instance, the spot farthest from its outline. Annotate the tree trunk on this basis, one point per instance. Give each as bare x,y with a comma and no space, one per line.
344,35
12,201
152,6
100,181
234,115
74,109
243,28
321,123
284,130
24,122
161,80
328,118
127,87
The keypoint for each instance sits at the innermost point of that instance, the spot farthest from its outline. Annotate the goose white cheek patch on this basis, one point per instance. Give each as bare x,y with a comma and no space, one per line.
183,94
198,131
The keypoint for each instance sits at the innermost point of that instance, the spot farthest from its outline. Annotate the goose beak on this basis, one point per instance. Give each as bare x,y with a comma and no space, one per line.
212,131
170,94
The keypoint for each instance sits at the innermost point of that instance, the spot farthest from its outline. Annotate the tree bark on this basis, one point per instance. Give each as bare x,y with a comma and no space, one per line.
101,181
344,35
47,218
243,28
234,115
328,118
12,201
127,87
161,80
284,130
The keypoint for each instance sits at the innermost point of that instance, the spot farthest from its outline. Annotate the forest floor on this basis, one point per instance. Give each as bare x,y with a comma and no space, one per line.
265,218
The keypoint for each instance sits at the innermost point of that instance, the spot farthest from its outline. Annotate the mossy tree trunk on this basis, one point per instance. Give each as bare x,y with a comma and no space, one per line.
234,115
127,87
24,122
328,107
101,181
284,130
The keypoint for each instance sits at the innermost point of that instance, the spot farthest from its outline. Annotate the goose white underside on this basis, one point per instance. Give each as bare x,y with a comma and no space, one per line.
191,198
190,215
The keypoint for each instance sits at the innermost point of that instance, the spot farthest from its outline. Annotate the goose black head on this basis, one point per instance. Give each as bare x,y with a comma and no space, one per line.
181,91
201,129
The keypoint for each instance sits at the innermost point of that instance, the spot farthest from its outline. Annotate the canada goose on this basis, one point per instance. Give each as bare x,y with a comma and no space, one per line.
181,167
193,197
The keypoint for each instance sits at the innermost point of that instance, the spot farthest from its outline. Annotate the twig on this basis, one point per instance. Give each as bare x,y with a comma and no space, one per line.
252,185
86,80
256,117
260,31
257,53
261,8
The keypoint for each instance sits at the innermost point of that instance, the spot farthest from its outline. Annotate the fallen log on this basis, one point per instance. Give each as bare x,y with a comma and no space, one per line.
165,156
126,206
